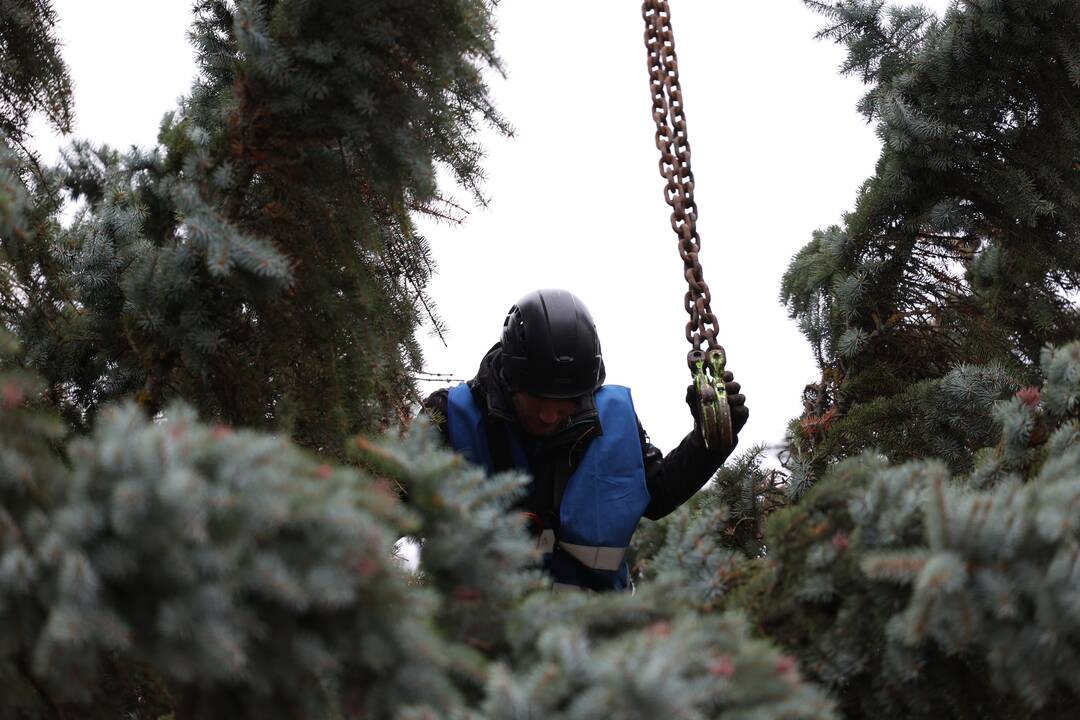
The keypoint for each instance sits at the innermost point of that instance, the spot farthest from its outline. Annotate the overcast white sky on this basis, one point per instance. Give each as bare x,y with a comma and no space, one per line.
576,197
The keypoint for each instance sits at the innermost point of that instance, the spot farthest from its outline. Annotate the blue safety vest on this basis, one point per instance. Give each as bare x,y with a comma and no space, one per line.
604,498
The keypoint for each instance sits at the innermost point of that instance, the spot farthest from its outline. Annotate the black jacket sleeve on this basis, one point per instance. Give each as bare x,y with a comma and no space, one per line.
673,479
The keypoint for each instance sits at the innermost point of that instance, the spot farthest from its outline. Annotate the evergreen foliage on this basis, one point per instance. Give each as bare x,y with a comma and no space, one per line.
949,417
162,558
920,593
961,249
260,262
927,568
254,579
33,77
257,581
631,657
728,515
196,521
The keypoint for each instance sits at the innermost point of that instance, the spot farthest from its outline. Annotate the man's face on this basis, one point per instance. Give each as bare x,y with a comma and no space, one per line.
540,415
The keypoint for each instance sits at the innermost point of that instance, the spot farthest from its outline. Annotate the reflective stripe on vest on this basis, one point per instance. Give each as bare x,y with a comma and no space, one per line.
604,498
597,558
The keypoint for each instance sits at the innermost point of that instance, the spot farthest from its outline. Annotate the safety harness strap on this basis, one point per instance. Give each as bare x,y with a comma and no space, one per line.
546,542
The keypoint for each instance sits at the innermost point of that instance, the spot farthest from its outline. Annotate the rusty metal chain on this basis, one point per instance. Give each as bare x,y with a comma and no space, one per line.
674,147
706,366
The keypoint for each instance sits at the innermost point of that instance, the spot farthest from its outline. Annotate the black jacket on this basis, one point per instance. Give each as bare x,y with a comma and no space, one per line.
672,479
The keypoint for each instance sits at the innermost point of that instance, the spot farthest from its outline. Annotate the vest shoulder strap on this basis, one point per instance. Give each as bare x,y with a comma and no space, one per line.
488,444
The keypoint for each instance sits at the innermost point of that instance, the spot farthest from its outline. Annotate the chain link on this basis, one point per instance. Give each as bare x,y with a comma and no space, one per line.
671,141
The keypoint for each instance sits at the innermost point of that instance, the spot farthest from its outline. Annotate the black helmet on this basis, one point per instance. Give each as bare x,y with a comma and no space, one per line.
550,347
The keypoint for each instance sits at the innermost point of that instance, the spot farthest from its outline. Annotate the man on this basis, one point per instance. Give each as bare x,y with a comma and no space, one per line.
539,404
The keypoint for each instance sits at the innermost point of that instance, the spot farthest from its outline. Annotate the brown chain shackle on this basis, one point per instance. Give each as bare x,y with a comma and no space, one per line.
706,366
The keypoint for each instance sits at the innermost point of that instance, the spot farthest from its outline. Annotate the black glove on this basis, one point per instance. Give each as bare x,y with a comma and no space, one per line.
736,401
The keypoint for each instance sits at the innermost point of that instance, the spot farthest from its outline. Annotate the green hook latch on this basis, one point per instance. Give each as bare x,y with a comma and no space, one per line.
707,370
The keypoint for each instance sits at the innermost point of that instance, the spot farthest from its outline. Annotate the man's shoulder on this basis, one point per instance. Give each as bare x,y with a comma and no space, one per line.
625,403
438,400
617,393
437,403
613,387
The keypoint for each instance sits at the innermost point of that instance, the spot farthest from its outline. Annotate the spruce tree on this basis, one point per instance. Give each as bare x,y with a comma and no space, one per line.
260,262
916,592
961,248
926,566
33,77
199,520
161,552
